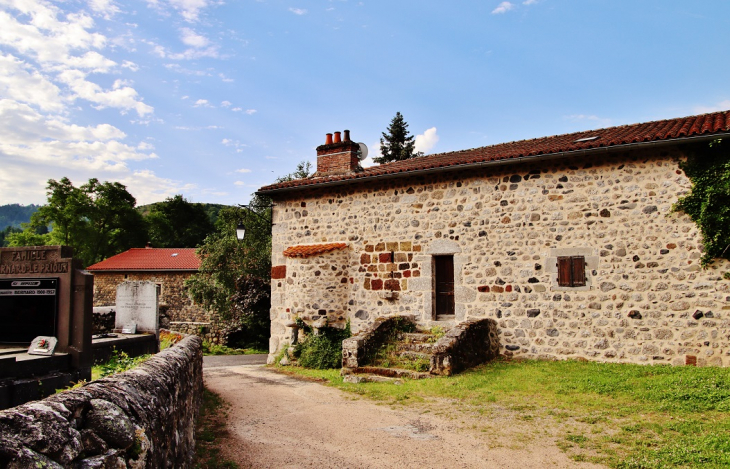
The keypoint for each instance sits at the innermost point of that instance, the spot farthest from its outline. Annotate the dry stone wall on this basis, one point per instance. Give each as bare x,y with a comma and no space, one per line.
646,298
143,418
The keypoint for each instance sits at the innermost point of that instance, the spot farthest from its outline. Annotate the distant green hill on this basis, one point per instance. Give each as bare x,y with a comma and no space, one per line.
15,214
211,209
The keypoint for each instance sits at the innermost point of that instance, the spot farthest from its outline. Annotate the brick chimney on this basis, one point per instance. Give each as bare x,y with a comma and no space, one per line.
338,155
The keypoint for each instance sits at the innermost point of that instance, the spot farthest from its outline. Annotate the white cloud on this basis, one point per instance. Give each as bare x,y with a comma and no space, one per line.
251,111
298,11
503,7
21,82
189,9
529,2
123,97
35,147
192,39
104,8
237,109
225,79
130,65
427,140
721,106
226,103
202,103
243,170
239,183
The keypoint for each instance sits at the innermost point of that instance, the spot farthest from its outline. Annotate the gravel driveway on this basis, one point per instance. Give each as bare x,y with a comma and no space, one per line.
277,421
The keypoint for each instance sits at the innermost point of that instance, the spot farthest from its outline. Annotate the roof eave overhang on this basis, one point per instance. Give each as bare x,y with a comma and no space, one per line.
502,162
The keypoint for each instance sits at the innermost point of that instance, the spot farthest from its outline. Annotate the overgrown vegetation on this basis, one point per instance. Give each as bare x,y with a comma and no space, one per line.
210,427
118,363
215,349
624,416
708,203
323,350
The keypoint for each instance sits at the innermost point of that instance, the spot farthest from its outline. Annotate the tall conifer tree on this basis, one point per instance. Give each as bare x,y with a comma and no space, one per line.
396,144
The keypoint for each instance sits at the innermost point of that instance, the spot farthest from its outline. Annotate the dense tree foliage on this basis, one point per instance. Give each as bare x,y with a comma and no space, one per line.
97,220
5,232
708,203
177,223
396,144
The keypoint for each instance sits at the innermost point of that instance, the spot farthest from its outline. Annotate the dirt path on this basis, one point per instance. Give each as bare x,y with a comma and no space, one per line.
277,421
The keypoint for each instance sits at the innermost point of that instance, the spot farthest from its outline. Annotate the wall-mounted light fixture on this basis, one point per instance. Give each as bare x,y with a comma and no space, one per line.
251,209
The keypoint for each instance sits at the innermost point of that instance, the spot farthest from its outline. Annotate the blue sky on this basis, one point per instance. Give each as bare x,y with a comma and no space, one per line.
213,99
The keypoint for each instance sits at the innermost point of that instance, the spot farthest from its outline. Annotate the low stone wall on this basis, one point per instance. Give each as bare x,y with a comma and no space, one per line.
143,418
464,346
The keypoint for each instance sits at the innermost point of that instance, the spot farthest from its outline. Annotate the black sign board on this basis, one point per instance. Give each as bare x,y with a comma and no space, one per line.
28,308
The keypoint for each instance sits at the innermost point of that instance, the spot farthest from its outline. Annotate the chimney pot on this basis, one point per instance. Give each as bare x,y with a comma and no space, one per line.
347,135
329,140
338,137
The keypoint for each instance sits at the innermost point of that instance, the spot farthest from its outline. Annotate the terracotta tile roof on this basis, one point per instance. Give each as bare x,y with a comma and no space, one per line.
312,249
150,259
664,130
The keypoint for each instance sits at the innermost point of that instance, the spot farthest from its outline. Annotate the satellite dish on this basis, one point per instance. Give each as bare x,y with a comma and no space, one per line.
363,153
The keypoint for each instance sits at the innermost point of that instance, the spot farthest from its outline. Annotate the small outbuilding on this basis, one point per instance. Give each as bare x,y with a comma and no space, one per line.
569,242
168,268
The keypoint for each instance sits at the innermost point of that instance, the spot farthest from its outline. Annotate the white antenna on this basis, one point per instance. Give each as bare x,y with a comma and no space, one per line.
363,153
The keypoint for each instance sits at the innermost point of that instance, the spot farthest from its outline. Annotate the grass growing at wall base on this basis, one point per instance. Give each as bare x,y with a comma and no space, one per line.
209,428
624,416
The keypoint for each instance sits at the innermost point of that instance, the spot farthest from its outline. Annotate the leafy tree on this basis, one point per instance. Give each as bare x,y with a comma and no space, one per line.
396,145
708,203
234,276
177,223
304,170
6,232
97,219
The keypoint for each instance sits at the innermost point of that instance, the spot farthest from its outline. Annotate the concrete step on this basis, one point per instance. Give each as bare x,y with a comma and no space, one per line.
388,372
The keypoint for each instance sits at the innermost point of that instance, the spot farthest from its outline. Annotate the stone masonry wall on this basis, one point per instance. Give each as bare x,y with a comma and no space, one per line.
646,299
143,418
177,310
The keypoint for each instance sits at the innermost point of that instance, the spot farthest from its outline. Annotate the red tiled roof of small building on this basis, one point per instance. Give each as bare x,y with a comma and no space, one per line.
663,130
312,249
150,259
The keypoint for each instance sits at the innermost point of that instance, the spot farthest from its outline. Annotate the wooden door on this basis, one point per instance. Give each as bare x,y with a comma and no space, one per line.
444,269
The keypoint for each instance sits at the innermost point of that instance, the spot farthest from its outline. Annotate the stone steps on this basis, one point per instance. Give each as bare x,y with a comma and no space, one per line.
426,348
414,355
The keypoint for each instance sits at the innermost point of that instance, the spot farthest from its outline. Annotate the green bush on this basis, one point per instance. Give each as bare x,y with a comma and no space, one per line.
321,351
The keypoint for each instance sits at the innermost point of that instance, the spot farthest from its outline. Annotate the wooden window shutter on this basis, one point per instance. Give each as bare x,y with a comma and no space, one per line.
564,272
571,271
579,271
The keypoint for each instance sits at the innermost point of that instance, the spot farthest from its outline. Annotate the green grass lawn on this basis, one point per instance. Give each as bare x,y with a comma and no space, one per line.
624,416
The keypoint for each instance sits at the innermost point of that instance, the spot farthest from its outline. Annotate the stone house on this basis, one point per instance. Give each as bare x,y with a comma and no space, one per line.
569,242
168,268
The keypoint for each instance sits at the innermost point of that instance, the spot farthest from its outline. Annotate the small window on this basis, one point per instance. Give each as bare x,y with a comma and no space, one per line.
158,287
572,271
